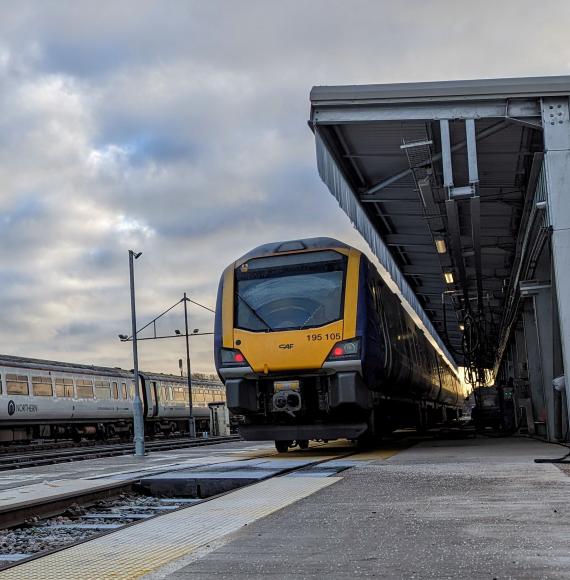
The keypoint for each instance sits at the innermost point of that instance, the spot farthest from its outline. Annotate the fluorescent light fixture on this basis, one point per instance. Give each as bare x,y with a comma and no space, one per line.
448,277
440,245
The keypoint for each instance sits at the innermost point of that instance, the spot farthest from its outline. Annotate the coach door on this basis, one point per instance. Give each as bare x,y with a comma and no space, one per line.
154,399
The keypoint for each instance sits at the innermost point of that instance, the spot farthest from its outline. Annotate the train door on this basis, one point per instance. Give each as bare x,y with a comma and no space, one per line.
153,411
144,395
438,365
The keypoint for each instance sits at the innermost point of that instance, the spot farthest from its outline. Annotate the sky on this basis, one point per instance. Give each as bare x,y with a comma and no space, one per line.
179,129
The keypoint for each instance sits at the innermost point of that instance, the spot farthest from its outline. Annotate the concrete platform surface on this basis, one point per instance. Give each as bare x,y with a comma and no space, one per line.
129,466
478,508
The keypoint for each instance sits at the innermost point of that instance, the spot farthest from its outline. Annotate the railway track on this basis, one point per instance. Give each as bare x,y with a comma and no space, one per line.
51,445
85,517
39,457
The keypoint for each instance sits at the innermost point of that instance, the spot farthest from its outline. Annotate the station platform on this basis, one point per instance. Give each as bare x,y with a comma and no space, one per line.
475,508
126,466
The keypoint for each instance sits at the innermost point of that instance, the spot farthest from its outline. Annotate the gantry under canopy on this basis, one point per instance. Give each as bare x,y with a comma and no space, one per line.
444,180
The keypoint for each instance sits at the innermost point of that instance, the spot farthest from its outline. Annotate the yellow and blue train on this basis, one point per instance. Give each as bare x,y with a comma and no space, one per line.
312,344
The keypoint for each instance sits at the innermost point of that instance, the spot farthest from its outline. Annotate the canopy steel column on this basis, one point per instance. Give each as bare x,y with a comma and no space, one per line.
535,368
542,303
521,376
556,123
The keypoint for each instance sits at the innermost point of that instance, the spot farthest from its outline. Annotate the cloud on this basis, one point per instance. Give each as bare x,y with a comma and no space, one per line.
182,133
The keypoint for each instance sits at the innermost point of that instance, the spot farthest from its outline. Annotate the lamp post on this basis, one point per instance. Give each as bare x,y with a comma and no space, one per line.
138,420
192,422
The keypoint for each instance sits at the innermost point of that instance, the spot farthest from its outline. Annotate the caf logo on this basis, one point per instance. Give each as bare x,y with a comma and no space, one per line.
11,407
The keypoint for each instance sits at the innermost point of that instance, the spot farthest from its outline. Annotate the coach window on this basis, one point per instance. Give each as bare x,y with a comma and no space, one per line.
124,390
17,385
1,389
84,389
42,386
102,390
178,394
115,390
64,388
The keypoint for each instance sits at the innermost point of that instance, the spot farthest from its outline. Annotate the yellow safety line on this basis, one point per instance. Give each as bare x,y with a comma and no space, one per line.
145,547
375,454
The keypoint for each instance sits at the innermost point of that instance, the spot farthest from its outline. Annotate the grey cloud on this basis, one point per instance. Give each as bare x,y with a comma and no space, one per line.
182,132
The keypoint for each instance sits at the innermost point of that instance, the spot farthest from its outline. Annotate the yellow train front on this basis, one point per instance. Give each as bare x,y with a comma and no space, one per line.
303,342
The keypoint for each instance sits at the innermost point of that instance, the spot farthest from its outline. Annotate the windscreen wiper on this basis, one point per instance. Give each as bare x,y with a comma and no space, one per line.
254,311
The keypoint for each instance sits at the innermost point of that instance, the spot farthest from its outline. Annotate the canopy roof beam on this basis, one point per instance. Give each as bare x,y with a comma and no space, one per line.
457,147
366,113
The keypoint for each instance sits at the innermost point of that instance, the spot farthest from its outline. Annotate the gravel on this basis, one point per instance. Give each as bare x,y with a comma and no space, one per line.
39,535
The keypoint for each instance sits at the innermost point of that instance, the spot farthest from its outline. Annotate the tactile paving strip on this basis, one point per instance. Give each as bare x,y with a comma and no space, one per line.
145,547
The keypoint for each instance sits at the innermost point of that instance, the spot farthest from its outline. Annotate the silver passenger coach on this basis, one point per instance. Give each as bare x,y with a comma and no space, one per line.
49,399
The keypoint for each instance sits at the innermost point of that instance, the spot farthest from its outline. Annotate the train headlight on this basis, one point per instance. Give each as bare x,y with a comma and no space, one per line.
232,357
345,349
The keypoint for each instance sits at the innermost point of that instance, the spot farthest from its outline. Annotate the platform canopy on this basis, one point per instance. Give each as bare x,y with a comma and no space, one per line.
443,180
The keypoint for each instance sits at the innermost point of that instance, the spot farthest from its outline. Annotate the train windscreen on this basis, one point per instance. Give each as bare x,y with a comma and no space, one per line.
290,292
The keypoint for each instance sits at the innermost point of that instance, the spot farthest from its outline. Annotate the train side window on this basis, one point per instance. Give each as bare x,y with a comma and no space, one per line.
42,386
103,390
84,389
124,391
178,394
64,388
59,387
1,389
115,390
69,391
17,385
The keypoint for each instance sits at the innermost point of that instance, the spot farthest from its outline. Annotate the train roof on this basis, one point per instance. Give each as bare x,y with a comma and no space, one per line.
293,246
43,364
55,366
182,380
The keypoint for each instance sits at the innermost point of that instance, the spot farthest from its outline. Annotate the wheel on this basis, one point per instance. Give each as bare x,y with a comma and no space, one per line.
282,446
303,444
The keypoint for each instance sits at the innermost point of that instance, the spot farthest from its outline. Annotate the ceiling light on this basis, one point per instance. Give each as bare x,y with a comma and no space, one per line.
448,277
462,327
440,245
